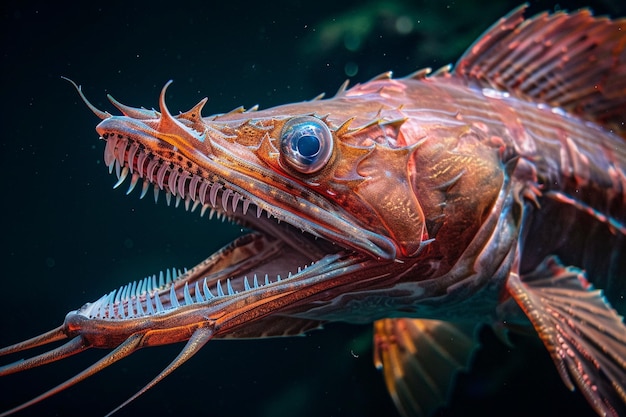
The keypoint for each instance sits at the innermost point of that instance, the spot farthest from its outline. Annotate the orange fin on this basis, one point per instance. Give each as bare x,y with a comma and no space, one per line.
420,359
584,335
574,61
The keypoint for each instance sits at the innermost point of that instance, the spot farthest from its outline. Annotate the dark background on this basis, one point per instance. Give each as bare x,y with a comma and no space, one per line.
67,237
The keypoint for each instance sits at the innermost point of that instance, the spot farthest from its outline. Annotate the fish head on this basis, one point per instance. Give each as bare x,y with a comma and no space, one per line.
305,164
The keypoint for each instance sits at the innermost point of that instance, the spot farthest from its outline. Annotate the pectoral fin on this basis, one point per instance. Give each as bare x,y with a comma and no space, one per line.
420,359
584,335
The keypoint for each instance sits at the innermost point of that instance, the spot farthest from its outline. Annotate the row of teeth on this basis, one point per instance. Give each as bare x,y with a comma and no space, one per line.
184,186
127,301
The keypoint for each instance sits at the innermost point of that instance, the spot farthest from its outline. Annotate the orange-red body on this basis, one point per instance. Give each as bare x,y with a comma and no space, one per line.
495,193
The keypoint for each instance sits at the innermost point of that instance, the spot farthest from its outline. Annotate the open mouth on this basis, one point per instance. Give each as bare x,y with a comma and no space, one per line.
272,252
262,273
275,251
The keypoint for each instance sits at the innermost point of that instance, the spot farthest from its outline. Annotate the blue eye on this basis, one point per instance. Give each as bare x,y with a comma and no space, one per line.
306,144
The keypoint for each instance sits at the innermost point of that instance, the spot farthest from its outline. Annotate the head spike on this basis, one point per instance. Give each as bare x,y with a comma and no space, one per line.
345,127
134,112
342,88
195,113
101,114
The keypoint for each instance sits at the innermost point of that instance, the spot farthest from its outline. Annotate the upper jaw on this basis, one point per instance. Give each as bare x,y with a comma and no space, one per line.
213,170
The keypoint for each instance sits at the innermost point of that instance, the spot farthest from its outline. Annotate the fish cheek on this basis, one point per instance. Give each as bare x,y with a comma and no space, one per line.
457,180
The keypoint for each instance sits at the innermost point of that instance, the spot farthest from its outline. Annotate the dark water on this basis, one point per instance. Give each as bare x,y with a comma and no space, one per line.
67,237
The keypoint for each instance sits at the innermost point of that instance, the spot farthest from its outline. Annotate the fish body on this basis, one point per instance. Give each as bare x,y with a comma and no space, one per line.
430,204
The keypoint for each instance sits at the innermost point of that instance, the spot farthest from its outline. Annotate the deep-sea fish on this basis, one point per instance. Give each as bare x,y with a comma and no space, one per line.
490,193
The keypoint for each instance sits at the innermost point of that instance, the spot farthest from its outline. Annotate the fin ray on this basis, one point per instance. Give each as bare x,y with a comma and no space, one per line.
574,61
420,359
584,335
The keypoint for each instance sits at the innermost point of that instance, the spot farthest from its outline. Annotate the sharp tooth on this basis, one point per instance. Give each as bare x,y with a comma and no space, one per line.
149,305
168,276
117,168
168,198
156,193
161,280
160,176
278,278
220,291
212,213
157,301
131,156
267,280
255,282
173,299
154,283
171,182
202,191
203,210
110,305
195,205
246,204
111,311
246,285
193,185
229,287
118,294
187,202
213,193
199,298
122,177
184,176
225,194
188,299
177,201
138,308
120,150
141,160
109,152
236,198
133,289
124,291
150,170
144,189
259,210
207,292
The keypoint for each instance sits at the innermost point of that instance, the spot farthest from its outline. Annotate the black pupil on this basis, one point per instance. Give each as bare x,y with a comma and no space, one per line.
308,146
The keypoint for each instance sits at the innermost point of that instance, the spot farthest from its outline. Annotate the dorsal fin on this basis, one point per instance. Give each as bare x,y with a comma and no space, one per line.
573,61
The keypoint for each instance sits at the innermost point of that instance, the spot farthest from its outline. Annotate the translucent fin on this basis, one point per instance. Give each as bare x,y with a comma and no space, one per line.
573,61
420,359
584,335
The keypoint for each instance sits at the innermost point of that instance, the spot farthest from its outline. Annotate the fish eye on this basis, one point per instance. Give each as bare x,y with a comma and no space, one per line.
306,144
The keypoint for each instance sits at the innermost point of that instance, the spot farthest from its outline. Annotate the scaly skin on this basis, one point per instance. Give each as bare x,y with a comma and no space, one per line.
420,197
